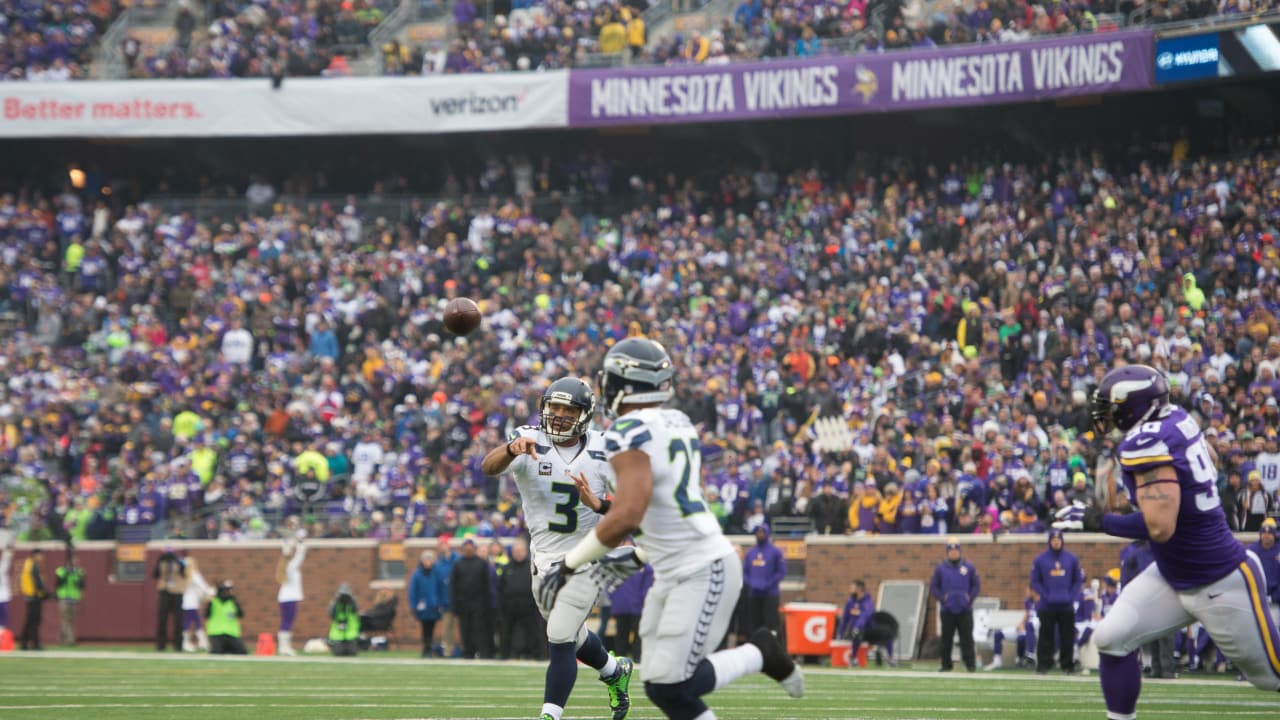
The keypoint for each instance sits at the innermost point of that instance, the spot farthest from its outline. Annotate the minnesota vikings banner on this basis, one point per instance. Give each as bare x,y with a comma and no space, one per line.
833,85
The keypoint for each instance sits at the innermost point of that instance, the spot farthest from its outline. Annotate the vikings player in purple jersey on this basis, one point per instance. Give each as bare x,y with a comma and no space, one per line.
1201,572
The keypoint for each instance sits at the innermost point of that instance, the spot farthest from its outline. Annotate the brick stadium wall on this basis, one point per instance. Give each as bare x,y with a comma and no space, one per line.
119,612
1004,566
126,612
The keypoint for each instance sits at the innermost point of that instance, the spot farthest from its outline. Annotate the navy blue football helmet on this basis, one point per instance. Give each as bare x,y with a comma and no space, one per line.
1128,396
637,371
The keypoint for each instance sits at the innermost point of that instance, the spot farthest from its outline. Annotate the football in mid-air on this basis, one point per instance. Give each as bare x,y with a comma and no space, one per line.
461,316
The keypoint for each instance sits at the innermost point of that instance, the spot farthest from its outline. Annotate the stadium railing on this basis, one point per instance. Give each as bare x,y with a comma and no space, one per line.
391,207
1216,22
603,60
109,63
791,526
388,30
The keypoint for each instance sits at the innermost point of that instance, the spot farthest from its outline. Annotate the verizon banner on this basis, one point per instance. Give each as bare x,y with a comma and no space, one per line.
304,106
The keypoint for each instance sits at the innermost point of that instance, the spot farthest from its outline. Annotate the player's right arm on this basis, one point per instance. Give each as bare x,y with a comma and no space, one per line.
634,475
1159,499
497,460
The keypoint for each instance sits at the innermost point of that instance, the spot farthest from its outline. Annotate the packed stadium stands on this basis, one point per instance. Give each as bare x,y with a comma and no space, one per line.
56,40
50,41
555,34
253,39
209,373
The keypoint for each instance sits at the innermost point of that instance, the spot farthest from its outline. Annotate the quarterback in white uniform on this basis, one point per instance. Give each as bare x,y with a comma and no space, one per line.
656,458
548,462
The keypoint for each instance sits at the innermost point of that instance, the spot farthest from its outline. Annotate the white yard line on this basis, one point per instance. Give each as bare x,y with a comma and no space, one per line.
322,659
441,662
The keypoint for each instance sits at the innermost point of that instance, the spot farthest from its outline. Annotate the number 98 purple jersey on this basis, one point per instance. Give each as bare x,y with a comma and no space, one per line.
1202,549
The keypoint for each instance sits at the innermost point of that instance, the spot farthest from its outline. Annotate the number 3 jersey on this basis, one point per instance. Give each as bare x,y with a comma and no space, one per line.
678,532
1202,549
556,518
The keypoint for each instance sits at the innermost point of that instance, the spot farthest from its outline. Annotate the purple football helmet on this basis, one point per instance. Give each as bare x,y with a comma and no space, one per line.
1128,396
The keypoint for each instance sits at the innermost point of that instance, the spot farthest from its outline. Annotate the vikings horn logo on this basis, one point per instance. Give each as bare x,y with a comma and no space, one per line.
868,84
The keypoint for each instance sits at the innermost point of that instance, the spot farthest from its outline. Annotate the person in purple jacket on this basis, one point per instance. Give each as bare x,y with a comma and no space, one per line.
1056,577
857,611
763,569
627,601
954,586
1201,572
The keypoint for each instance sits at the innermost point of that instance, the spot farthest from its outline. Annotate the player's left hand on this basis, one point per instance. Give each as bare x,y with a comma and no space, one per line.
613,569
552,583
585,495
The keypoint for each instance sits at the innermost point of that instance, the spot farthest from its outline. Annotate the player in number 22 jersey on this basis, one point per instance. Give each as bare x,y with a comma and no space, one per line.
657,464
548,462
1201,572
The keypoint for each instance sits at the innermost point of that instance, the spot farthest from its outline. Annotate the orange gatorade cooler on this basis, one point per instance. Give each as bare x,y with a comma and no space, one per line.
809,627
841,653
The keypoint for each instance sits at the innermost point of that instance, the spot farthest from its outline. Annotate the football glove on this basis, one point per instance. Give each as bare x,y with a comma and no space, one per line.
1078,516
557,575
613,569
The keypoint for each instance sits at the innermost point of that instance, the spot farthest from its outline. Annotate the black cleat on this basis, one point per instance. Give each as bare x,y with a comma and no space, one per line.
777,663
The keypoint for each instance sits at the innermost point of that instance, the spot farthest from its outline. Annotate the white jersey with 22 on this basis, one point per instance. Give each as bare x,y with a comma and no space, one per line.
679,534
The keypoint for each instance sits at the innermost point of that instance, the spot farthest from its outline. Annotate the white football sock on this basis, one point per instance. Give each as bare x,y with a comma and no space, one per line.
733,664
708,715
554,711
610,667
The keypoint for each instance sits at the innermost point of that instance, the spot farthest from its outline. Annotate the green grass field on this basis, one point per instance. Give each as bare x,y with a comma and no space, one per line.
140,686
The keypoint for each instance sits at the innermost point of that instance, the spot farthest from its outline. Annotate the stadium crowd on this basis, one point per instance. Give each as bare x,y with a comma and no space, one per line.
51,40
800,27
559,34
215,377
54,40
261,39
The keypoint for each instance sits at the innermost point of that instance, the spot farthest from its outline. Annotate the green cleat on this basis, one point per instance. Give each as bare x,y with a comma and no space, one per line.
546,716
619,699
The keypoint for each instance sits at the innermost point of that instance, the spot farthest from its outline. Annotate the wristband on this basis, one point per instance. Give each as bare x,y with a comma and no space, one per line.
604,506
588,550
1132,526
509,453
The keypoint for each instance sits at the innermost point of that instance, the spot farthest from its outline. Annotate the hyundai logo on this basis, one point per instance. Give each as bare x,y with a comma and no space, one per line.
1164,60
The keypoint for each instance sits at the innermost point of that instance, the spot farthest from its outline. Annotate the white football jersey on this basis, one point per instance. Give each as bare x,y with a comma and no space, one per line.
1268,465
556,519
678,532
